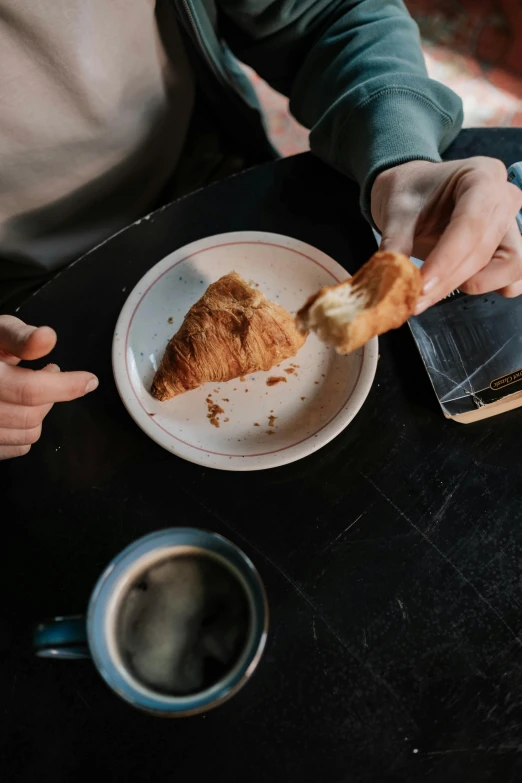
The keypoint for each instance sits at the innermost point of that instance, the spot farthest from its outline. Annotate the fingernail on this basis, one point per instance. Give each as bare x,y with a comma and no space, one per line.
422,305
92,385
429,285
51,368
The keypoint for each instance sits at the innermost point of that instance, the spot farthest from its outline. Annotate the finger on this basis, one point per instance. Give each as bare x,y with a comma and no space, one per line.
9,452
434,291
19,417
51,368
20,437
511,291
436,288
20,341
477,226
504,269
34,388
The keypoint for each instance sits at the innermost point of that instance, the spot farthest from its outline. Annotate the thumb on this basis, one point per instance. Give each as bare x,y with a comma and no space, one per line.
20,341
398,235
395,212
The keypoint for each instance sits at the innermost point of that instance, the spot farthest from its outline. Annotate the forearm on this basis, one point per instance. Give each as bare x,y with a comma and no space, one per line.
356,78
377,107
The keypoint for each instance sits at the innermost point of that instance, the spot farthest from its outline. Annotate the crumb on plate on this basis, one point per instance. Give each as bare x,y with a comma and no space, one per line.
275,379
214,411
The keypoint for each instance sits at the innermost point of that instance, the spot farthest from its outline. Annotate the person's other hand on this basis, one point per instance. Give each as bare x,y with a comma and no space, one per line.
459,217
26,396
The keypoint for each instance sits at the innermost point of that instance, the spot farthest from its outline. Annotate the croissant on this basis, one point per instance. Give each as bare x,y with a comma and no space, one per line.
381,296
233,330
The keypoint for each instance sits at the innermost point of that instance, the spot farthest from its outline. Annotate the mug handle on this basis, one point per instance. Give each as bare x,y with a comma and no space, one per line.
62,637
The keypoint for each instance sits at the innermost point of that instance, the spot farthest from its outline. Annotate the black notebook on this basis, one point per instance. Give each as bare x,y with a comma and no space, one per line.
471,347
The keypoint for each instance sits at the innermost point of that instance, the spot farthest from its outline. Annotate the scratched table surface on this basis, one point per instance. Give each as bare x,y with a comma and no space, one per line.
392,558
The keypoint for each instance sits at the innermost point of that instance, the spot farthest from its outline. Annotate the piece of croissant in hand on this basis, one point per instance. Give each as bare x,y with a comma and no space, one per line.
233,330
381,296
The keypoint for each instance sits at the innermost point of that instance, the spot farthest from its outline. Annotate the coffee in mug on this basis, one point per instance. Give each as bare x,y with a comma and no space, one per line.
183,624
176,624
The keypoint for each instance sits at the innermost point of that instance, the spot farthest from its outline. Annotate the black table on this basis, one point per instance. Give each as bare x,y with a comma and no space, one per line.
392,558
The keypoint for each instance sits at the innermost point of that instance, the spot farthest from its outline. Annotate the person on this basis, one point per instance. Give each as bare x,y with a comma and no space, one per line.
110,109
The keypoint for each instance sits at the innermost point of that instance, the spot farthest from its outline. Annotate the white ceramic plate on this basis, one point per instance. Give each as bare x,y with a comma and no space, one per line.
314,403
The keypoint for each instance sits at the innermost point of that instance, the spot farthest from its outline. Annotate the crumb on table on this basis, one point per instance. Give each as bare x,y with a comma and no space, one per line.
225,399
290,370
242,379
270,432
271,421
303,398
170,320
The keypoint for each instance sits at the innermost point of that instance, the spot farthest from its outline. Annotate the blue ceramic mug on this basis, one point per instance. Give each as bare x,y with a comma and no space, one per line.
96,634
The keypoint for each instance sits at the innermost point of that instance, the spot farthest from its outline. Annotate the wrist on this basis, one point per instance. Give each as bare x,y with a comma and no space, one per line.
408,169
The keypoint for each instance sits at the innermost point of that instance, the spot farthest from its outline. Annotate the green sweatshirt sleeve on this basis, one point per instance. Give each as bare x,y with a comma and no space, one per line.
355,75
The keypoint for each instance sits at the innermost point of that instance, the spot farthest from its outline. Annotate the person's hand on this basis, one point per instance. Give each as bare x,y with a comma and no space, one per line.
26,396
459,217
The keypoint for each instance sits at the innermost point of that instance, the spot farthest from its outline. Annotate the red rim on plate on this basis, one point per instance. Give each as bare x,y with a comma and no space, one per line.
132,396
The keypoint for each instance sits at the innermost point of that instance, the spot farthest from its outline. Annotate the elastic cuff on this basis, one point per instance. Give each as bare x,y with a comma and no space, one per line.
395,126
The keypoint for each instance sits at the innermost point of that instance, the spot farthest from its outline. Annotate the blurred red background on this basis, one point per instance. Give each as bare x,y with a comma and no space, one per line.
473,46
